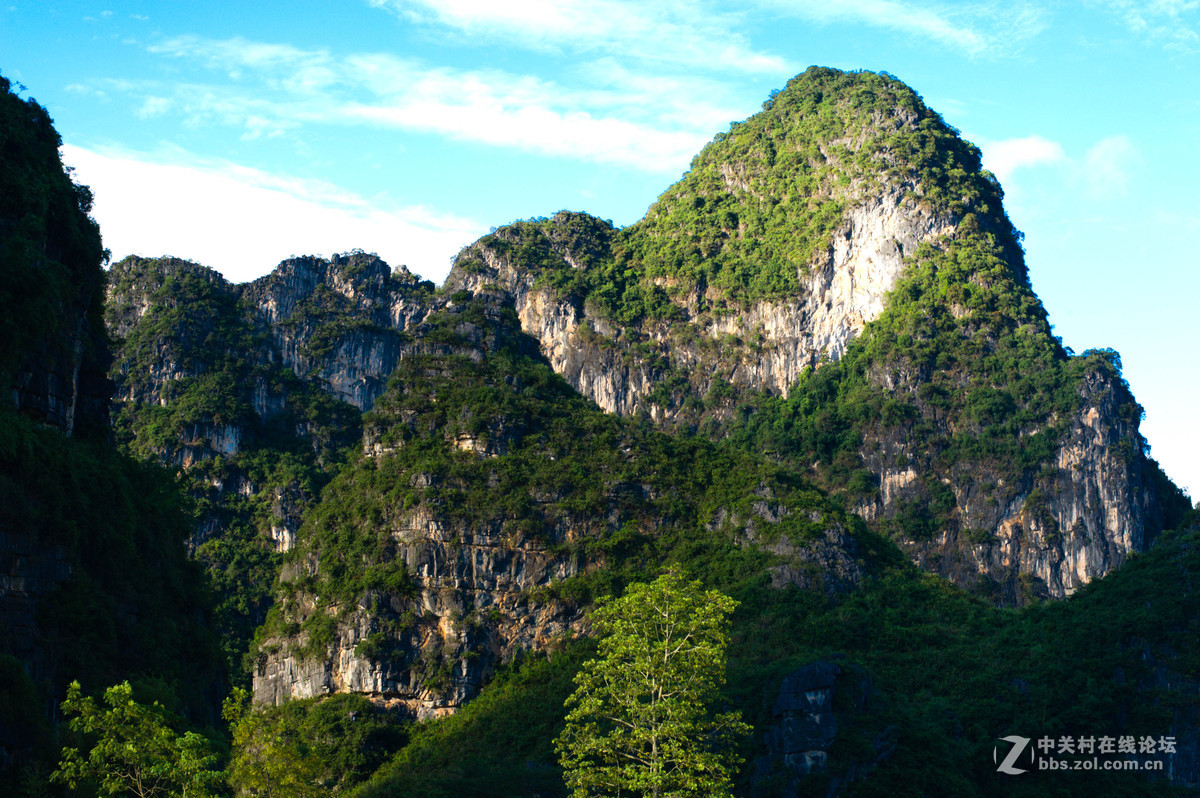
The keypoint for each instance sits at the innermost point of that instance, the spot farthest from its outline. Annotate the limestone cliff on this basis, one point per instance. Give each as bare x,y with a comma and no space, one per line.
911,257
470,526
828,319
243,388
55,354
763,345
339,321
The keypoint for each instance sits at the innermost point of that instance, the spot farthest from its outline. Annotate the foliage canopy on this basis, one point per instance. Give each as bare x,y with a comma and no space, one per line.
640,719
136,751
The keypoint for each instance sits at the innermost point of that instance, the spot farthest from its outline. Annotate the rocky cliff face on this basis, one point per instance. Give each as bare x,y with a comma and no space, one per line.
707,351
255,391
52,356
334,323
339,321
663,320
485,496
236,363
1092,504
762,346
427,648
94,581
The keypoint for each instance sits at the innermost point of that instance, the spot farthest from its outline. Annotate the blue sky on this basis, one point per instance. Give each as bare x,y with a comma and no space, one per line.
237,134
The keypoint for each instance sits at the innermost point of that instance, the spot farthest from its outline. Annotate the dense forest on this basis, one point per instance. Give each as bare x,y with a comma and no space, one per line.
340,530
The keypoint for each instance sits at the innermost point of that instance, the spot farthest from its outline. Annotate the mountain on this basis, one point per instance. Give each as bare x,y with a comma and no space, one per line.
256,393
814,376
835,282
95,584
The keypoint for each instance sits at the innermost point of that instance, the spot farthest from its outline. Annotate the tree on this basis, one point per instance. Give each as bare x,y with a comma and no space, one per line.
269,759
136,751
640,720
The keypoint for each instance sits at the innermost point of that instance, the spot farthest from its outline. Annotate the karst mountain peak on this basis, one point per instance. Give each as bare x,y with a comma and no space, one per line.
815,375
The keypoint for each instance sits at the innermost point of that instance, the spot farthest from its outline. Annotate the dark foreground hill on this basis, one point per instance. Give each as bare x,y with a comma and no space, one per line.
95,584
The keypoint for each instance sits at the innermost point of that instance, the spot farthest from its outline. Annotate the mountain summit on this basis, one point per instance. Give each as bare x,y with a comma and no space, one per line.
835,282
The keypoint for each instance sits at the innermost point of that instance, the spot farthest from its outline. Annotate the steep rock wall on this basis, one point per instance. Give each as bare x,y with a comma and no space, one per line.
842,291
1046,534
425,654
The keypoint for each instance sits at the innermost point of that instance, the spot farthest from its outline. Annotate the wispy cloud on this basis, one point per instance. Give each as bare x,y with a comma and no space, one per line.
1102,172
680,32
1005,157
1173,23
275,88
232,217
972,28
1108,165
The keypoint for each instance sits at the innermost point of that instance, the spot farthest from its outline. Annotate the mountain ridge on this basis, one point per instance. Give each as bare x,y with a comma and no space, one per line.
889,390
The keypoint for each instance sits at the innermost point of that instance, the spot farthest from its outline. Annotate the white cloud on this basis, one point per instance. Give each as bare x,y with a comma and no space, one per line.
276,88
1005,157
1174,23
680,32
153,106
86,91
973,28
1102,172
1108,164
243,221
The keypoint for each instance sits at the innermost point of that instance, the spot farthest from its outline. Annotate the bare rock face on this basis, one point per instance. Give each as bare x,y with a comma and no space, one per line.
249,359
474,604
804,725
335,322
1042,534
62,390
842,292
687,350
478,596
338,320
445,595
1055,531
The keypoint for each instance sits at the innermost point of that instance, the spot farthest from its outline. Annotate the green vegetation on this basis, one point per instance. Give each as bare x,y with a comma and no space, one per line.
963,373
593,487
308,747
478,447
135,750
501,743
961,379
51,284
119,596
558,461
196,324
931,679
761,202
640,719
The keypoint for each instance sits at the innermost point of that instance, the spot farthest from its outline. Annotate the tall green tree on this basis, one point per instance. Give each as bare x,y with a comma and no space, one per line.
641,720
269,759
136,752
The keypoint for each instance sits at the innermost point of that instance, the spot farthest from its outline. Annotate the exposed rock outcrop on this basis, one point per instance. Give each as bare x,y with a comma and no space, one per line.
441,595
803,723
475,605
764,346
690,362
